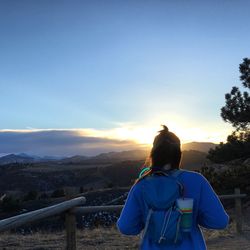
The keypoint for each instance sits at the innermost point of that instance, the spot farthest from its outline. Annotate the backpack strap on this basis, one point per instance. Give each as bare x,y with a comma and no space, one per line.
146,226
176,174
165,224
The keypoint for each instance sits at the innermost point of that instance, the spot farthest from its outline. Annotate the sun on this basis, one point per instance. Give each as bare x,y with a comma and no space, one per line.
136,134
144,135
141,135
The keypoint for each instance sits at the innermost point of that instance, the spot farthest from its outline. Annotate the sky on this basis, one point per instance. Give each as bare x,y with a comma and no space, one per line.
117,70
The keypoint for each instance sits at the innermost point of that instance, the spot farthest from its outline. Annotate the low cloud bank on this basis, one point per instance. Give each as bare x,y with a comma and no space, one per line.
59,143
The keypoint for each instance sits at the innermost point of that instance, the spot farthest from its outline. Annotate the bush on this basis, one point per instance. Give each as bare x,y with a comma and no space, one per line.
109,185
43,196
237,146
58,193
9,204
31,195
226,181
81,190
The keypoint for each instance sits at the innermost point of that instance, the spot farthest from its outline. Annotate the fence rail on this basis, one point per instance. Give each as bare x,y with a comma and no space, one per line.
73,206
42,213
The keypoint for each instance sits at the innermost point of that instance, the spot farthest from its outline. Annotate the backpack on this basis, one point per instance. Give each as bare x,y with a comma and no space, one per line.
163,220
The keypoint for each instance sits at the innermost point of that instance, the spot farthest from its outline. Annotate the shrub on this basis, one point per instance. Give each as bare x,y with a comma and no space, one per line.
58,193
31,195
9,204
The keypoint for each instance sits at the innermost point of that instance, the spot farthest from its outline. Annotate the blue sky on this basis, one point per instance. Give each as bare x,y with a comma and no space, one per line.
128,65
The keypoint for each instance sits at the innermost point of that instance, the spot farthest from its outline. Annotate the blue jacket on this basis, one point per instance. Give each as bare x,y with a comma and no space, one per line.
208,212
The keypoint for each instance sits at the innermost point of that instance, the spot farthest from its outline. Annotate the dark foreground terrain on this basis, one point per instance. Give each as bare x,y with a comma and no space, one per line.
111,239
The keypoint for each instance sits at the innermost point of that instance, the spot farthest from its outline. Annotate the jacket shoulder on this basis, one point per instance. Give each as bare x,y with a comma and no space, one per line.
192,176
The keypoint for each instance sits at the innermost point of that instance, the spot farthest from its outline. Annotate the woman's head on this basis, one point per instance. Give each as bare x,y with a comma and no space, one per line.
166,149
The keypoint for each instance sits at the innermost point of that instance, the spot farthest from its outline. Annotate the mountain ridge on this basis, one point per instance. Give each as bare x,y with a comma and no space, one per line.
136,154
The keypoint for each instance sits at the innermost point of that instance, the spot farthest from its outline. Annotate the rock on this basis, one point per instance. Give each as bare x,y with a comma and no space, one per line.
246,162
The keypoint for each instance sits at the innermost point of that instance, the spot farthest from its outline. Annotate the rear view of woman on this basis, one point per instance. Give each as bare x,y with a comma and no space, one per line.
153,207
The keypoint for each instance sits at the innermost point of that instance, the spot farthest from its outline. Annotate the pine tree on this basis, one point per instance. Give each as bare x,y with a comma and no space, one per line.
237,112
237,108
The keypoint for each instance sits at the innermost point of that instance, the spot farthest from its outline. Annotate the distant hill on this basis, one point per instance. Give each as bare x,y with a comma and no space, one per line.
105,170
193,160
12,158
101,158
202,147
198,146
25,158
74,159
122,156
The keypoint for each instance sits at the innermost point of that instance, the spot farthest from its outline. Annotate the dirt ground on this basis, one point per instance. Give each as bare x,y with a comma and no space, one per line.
111,239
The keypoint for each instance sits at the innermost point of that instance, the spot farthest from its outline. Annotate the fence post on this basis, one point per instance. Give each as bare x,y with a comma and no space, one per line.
70,224
238,212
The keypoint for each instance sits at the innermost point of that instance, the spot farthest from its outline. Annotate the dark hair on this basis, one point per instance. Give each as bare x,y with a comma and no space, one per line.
166,150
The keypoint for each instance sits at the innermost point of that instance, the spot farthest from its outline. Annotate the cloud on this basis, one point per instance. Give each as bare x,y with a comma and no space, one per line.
59,142
88,141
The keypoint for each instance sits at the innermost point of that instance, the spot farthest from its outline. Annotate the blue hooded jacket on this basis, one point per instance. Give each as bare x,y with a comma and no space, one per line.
208,212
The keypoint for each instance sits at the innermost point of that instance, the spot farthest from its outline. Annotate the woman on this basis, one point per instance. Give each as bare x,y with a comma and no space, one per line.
207,211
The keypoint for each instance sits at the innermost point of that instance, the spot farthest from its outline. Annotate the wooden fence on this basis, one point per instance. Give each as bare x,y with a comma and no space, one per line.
74,206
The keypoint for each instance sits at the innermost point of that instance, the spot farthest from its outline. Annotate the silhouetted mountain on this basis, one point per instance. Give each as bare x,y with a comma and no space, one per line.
198,146
74,159
51,158
25,155
104,170
202,147
122,156
101,158
25,158
12,158
193,159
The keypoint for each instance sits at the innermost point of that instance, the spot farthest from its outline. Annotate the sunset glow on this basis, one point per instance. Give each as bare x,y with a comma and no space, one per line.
130,136
145,134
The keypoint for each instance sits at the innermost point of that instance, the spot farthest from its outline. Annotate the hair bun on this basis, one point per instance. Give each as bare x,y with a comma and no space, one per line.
165,129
